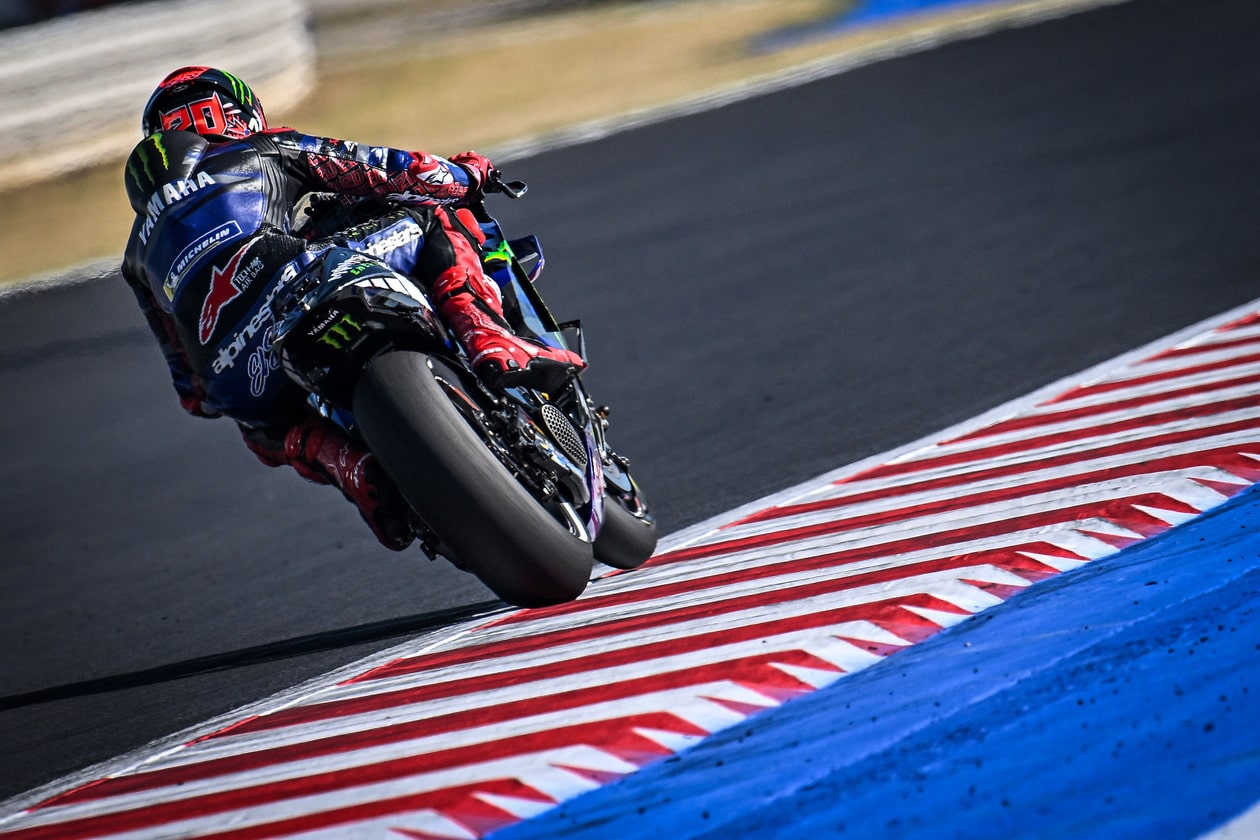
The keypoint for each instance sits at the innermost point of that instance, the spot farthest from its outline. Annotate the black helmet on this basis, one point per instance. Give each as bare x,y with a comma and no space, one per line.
206,101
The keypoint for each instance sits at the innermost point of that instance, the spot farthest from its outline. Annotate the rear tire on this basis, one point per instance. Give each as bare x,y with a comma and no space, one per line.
492,526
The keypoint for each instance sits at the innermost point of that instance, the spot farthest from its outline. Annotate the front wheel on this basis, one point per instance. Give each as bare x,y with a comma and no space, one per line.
491,525
627,536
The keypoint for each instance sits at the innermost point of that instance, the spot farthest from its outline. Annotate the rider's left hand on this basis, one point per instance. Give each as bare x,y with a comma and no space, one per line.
479,169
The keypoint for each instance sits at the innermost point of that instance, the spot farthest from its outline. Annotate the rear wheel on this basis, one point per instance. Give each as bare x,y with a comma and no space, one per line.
492,526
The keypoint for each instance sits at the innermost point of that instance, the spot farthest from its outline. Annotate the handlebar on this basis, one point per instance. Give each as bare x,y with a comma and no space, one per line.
512,189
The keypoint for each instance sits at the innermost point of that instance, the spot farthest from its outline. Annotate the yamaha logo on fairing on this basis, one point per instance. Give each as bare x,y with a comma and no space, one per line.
323,323
341,332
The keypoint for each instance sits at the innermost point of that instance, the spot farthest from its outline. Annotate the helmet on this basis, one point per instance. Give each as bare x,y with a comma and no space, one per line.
206,101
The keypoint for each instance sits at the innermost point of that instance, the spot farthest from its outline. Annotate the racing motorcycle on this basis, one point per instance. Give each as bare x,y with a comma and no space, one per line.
517,486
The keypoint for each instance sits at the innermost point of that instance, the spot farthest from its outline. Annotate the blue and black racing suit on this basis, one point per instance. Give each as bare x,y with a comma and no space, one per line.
213,241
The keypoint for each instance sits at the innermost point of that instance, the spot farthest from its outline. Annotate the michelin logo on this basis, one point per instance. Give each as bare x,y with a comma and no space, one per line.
189,255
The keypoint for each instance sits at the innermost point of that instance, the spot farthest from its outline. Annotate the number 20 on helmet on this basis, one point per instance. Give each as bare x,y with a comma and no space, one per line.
206,101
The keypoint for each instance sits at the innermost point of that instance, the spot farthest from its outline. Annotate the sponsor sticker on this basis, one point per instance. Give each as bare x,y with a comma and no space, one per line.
170,193
226,285
262,319
340,333
179,268
261,363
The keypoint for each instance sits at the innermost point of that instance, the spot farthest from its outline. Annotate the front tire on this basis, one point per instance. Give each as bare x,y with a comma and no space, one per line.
625,541
492,526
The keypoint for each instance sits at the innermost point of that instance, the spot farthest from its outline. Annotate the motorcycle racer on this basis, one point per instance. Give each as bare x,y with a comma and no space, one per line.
214,190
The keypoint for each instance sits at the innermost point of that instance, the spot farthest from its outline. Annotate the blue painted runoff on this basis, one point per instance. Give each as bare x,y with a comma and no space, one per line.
1119,700
860,13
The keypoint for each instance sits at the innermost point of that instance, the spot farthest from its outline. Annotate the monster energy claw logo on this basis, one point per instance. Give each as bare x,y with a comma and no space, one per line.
143,155
339,334
240,89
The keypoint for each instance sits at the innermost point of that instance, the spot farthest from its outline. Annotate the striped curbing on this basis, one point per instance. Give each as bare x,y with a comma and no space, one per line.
456,737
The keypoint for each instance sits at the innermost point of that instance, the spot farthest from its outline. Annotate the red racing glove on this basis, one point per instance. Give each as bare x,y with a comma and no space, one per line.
479,169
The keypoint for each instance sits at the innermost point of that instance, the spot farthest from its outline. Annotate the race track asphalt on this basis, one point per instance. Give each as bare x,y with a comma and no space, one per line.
771,290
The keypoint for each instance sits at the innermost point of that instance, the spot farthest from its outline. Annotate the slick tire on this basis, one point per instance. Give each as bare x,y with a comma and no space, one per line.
625,541
490,524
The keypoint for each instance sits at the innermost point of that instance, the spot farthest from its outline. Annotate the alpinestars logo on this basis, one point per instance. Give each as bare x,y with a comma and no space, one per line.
226,285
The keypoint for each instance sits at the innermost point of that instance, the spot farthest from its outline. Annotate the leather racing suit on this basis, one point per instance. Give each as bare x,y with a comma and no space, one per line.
213,241
213,236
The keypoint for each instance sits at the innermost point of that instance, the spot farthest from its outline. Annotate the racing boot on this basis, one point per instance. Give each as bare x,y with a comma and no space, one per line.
322,453
472,307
